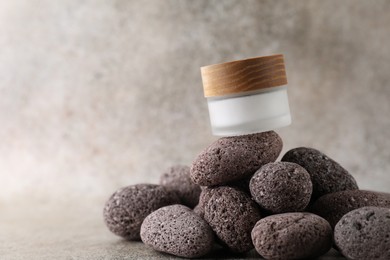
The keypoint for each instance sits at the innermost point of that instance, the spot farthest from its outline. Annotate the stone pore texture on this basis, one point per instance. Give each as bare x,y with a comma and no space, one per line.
326,175
177,230
126,208
177,178
292,236
235,158
364,233
281,187
333,206
231,213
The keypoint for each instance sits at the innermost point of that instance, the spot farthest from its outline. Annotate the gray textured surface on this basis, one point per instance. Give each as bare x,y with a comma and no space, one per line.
76,233
95,95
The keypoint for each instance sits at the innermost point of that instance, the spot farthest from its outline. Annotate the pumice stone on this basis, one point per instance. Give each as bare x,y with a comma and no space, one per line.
334,205
177,230
295,235
326,175
364,233
127,207
177,178
231,213
235,158
281,187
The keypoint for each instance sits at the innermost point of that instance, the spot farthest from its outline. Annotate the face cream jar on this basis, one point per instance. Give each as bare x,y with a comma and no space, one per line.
247,96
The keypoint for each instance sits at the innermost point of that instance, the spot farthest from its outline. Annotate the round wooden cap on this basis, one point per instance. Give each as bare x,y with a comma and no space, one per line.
243,75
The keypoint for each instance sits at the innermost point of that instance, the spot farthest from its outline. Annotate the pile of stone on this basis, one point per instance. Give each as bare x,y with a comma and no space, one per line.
237,197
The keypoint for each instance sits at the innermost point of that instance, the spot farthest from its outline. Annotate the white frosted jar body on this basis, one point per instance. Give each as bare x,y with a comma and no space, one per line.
259,111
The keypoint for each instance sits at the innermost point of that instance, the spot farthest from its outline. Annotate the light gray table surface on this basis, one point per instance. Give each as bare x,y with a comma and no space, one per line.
76,231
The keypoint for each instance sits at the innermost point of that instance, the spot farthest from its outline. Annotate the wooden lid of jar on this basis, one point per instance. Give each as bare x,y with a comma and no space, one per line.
243,75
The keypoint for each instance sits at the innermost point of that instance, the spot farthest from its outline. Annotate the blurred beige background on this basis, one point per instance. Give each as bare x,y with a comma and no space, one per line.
96,95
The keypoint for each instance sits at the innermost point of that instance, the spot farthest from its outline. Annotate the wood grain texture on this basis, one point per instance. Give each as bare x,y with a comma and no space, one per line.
243,75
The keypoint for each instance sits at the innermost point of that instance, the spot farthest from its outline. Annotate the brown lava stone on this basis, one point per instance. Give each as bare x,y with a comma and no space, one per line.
326,175
177,178
292,236
177,230
127,207
204,197
207,192
234,158
333,206
231,213
364,233
281,187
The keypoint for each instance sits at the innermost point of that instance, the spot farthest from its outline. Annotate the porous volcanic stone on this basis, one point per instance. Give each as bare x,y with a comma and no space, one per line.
335,205
281,187
127,207
364,233
204,197
234,158
206,193
292,236
177,230
177,178
198,210
326,175
231,213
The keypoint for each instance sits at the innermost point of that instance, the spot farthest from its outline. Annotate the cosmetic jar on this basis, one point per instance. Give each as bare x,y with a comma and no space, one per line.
247,96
